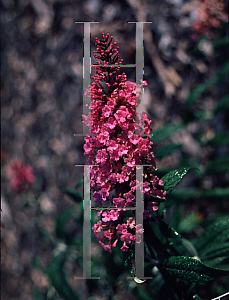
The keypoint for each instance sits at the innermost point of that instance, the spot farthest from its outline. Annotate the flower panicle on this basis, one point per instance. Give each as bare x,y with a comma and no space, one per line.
120,142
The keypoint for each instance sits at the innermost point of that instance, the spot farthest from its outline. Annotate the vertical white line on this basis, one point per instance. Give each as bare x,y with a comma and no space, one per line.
86,70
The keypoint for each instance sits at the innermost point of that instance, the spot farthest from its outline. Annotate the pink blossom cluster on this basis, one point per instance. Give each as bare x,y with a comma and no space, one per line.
21,176
128,232
210,14
118,143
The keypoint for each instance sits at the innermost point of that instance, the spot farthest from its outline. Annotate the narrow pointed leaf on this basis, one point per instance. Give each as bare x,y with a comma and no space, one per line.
165,132
216,261
214,242
62,221
189,223
215,230
79,183
166,150
59,279
219,249
180,244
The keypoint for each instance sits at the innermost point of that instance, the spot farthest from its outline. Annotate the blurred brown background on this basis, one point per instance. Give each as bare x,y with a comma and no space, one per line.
42,92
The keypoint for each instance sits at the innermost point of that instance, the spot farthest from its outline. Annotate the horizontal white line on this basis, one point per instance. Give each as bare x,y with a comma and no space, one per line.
139,22
86,22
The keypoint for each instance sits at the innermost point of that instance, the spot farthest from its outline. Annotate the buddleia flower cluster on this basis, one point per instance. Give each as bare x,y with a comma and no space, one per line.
119,141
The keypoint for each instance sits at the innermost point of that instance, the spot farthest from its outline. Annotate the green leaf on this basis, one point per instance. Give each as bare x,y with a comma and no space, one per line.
79,183
195,94
222,105
214,242
203,115
74,195
58,276
187,248
45,235
37,264
181,245
191,269
36,294
216,250
189,223
62,221
154,239
216,261
221,42
219,165
166,150
165,132
175,217
173,178
167,230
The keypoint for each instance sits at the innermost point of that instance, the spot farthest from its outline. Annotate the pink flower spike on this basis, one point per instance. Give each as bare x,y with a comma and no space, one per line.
117,147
